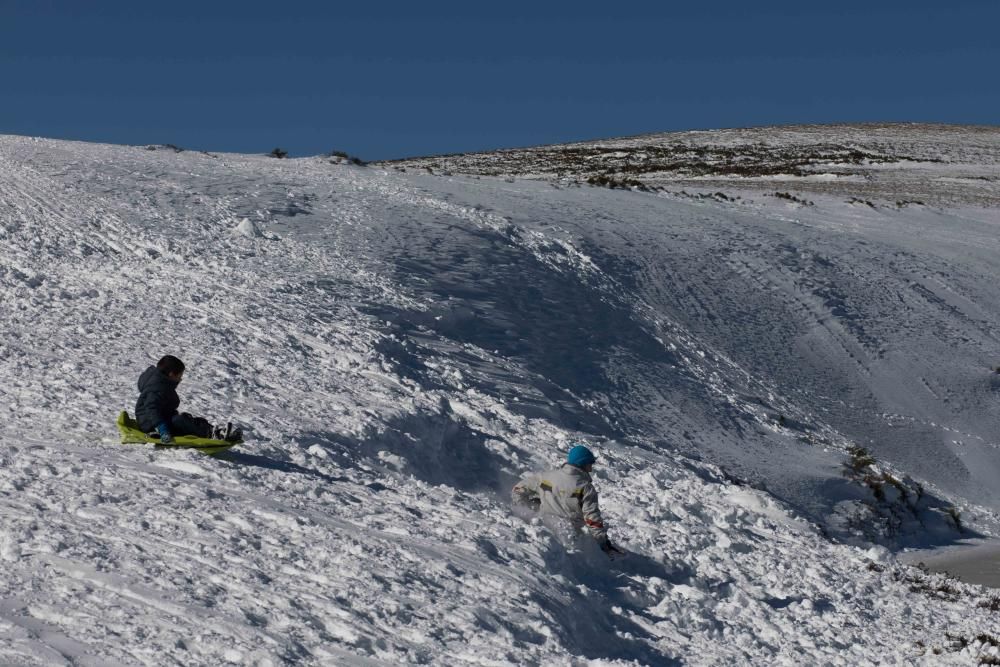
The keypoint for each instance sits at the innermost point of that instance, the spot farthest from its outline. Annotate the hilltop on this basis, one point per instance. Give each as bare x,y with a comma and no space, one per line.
908,163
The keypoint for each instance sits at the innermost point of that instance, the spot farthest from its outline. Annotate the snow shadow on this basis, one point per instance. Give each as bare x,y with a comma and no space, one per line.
435,448
896,513
526,394
585,610
565,341
267,463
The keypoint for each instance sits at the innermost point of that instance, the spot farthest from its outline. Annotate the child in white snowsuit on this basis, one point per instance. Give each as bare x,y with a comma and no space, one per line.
567,493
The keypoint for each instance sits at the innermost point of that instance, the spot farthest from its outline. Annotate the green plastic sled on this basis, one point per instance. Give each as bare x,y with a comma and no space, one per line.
133,435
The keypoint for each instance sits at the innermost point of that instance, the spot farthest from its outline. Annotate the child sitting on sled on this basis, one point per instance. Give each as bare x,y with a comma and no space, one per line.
156,409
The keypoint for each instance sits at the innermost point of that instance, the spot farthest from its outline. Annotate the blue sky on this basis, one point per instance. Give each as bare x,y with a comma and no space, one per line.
394,79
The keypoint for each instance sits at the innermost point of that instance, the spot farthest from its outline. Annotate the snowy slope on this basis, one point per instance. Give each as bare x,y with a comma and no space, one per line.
876,316
401,347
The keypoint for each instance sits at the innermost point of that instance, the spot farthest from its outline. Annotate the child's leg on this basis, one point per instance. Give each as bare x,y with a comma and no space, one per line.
185,424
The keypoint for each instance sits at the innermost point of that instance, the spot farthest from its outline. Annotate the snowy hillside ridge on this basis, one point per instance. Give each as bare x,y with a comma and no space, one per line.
926,164
401,347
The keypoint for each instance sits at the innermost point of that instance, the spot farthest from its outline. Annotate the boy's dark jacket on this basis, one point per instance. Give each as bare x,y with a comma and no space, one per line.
158,399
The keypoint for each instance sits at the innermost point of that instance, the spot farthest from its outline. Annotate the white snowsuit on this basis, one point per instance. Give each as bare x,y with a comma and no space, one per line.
565,492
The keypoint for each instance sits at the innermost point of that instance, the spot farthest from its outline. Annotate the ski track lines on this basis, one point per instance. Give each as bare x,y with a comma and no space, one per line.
360,525
550,253
807,293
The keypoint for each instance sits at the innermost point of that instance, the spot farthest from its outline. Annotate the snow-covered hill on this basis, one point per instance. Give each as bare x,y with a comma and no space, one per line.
773,384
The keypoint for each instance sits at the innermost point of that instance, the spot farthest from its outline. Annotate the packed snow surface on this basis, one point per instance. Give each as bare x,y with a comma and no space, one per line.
783,392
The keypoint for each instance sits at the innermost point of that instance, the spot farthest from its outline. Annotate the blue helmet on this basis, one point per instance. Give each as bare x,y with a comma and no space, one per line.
580,456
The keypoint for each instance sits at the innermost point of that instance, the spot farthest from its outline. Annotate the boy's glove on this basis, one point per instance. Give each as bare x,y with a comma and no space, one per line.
165,437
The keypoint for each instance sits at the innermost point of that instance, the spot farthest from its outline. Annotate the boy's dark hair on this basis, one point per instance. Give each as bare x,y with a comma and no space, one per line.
170,364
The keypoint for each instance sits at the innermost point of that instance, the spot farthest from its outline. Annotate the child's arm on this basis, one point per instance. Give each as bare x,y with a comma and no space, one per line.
525,492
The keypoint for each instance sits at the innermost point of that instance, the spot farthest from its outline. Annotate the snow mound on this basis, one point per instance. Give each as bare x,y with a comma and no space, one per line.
248,228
